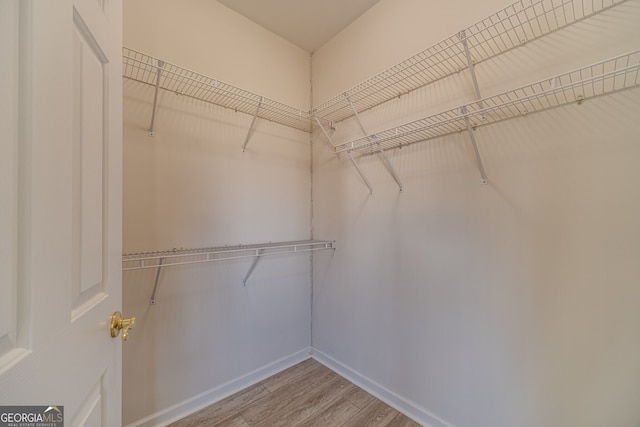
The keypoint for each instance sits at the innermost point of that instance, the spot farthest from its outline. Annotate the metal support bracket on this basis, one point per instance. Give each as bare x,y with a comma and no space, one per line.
390,168
472,70
155,285
324,131
253,123
472,135
364,178
155,98
384,157
253,265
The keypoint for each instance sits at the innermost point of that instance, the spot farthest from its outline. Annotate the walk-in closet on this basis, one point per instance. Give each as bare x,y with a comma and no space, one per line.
440,204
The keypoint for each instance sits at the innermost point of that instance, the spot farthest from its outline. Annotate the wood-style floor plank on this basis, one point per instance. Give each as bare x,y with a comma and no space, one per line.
360,398
321,397
375,414
291,374
307,395
401,420
335,415
277,402
225,409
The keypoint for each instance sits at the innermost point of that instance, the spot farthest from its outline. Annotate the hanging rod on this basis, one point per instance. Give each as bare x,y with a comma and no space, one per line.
146,260
144,68
521,22
604,77
161,259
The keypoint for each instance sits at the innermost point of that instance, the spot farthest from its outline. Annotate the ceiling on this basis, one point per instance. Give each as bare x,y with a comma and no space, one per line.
306,23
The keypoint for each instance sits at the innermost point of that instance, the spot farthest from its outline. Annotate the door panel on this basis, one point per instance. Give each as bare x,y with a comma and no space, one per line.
60,213
11,297
89,138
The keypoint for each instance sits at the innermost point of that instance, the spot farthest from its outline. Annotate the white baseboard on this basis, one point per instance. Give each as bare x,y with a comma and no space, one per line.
189,406
410,409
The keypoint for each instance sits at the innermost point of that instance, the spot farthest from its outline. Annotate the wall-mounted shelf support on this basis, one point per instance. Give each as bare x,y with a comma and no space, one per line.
163,259
474,143
253,265
253,123
155,284
324,131
364,178
384,157
472,70
355,113
155,98
390,168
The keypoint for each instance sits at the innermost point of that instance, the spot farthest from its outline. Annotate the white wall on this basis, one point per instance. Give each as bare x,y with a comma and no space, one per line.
209,38
510,304
192,186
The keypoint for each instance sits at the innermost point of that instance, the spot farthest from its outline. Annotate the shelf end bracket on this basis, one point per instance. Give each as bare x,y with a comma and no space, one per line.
155,285
364,178
472,135
472,70
253,265
392,171
253,123
324,131
155,98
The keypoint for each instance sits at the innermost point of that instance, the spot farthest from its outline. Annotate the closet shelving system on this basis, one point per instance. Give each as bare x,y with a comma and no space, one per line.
160,74
517,24
162,259
603,77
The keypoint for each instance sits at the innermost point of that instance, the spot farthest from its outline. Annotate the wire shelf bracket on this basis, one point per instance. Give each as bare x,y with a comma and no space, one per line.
155,284
383,156
155,98
253,266
324,131
364,178
463,110
253,123
470,65
474,143
163,259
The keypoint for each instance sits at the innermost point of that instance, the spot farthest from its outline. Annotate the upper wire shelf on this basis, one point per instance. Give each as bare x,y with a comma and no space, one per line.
614,74
146,260
513,26
144,68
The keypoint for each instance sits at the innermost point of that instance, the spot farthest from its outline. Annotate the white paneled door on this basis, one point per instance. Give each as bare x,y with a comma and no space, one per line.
60,212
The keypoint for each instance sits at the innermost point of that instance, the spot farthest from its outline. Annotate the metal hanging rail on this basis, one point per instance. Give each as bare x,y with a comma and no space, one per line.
162,259
521,22
146,69
604,77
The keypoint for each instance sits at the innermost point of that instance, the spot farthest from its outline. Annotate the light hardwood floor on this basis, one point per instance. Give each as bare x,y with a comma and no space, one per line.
307,394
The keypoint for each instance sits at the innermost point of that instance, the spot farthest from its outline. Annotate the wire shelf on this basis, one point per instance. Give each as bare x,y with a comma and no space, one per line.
614,74
143,68
146,260
518,23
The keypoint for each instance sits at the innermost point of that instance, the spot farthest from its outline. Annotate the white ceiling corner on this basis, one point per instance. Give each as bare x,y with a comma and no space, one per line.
306,23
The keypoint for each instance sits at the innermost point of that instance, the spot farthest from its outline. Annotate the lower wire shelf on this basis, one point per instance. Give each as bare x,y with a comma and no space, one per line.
161,259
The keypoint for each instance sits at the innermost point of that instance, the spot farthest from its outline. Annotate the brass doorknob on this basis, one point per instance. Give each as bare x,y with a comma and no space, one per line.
119,323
